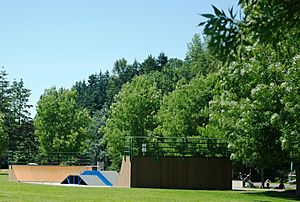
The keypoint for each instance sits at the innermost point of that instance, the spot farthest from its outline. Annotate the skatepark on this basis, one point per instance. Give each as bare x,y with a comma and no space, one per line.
146,163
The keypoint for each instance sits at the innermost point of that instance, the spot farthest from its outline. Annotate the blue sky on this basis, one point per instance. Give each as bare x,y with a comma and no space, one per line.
58,42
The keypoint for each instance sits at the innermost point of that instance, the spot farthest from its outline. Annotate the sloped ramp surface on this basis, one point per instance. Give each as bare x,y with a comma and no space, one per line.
96,173
92,180
42,173
111,176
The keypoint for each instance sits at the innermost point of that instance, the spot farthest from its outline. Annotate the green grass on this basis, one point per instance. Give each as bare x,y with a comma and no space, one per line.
13,191
3,171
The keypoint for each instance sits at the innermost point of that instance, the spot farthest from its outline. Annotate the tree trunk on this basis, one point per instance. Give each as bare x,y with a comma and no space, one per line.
298,180
262,178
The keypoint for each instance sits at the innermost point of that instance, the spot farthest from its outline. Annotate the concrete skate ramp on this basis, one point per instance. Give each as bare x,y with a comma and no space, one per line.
97,174
92,180
25,173
107,177
111,176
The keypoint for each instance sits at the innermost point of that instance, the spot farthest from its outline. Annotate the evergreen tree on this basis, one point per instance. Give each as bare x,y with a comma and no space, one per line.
5,102
21,125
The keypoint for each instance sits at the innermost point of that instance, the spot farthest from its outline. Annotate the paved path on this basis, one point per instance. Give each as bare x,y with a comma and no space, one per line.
237,185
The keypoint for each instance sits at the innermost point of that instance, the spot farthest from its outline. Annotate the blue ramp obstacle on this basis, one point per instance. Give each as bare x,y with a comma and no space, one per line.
92,178
98,174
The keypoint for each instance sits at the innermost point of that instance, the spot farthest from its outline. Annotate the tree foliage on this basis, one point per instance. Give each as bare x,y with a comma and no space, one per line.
131,115
21,126
122,73
291,106
95,147
60,124
255,106
199,60
184,110
92,94
16,125
5,103
248,109
268,22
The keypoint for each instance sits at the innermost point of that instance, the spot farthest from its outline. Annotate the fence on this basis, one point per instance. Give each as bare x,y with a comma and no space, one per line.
175,146
51,158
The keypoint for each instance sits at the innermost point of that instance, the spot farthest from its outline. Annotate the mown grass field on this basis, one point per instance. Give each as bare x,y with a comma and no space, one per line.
12,191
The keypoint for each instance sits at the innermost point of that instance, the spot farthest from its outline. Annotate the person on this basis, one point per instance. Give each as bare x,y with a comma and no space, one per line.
242,178
246,179
280,186
267,183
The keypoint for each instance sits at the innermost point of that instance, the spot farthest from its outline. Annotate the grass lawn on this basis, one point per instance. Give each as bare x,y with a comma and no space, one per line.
12,191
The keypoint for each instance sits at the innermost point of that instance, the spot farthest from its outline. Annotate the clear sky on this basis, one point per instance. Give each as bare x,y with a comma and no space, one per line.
58,42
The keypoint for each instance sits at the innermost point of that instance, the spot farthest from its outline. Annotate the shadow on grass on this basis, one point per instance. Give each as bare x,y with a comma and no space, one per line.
287,194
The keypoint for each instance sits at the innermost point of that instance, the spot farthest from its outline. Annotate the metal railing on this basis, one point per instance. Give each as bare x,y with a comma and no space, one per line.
175,146
51,158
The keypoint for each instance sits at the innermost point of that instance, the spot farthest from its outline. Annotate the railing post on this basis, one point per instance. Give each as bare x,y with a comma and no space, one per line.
131,145
9,157
156,148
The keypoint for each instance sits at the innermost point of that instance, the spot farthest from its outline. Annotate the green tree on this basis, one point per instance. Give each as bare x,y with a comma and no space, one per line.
22,140
5,102
20,126
198,61
267,22
125,71
290,121
61,125
162,60
272,21
122,73
4,92
166,79
184,111
16,124
95,147
132,114
265,41
248,110
149,64
20,106
92,94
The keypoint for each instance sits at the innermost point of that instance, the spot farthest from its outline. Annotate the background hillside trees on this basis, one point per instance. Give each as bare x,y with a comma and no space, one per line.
92,94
